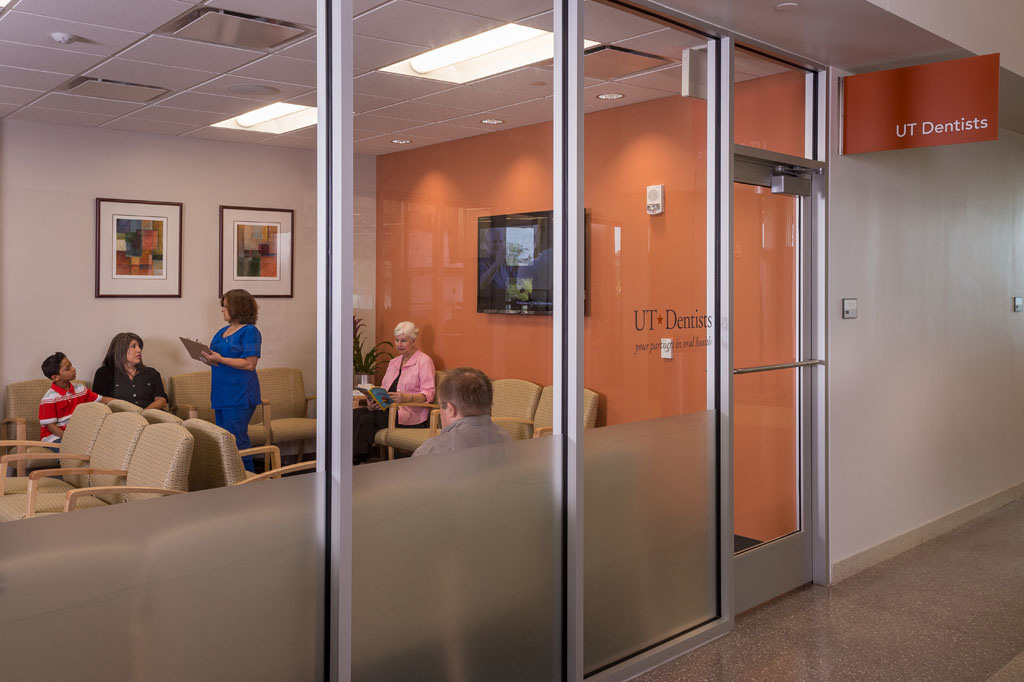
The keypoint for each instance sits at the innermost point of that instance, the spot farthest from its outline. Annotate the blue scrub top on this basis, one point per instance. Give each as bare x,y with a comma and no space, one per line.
231,387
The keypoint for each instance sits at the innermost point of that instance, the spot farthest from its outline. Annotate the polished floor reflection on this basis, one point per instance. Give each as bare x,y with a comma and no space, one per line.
951,609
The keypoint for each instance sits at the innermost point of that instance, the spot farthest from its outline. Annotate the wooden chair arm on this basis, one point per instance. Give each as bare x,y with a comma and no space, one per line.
12,420
515,420
267,419
22,457
272,450
435,422
20,433
24,442
309,399
33,482
280,471
541,430
191,410
71,501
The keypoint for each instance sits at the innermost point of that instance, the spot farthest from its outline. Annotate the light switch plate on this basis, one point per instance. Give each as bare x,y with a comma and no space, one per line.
666,349
1018,304
849,308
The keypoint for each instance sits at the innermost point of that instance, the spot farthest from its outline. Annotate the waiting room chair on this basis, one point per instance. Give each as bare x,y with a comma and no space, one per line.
283,416
514,407
542,423
76,446
112,452
117,405
397,437
21,417
216,460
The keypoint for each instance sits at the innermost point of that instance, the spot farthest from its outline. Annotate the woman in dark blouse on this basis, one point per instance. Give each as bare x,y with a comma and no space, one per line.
123,376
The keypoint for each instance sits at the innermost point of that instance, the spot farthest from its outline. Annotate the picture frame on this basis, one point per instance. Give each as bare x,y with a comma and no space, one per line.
257,250
138,248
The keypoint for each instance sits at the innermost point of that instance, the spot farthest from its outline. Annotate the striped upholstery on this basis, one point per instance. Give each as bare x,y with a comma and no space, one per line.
161,460
160,417
215,459
114,448
117,405
191,389
515,399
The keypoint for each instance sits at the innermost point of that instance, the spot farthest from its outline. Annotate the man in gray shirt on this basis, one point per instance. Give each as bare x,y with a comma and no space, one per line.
465,396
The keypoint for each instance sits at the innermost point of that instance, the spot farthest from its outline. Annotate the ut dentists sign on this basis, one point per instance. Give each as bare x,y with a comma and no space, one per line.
952,102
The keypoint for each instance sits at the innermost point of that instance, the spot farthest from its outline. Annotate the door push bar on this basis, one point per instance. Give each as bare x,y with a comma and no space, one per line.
769,368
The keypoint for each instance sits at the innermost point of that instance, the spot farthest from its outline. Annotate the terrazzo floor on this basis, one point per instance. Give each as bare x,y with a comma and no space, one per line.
951,609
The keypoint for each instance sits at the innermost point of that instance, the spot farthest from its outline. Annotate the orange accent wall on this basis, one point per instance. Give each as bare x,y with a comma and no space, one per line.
428,200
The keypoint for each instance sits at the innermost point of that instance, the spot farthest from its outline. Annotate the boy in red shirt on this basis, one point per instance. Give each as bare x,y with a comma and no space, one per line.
61,399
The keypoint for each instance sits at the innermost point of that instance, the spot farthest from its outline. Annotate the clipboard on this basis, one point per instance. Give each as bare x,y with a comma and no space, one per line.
195,348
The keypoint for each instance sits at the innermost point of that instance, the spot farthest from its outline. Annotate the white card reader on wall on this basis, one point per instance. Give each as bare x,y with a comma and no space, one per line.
655,199
849,308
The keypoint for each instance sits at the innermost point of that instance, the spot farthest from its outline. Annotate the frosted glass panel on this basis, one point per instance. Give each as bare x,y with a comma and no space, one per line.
457,566
215,585
649,534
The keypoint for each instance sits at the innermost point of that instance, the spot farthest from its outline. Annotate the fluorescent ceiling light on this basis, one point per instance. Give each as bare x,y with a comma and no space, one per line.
3,3
276,118
485,54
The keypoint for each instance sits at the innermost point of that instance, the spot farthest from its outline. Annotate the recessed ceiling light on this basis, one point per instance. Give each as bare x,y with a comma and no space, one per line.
786,6
485,54
610,95
276,118
401,141
492,121
248,89
58,36
3,3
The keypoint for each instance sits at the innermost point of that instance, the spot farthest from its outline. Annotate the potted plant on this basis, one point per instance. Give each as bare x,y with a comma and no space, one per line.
365,364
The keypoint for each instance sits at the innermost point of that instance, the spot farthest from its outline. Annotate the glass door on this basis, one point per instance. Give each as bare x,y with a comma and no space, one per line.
771,376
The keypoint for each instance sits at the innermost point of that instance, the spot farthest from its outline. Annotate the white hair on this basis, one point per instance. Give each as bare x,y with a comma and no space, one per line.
407,328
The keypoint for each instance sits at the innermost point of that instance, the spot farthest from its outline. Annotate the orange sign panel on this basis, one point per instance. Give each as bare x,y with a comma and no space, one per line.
950,102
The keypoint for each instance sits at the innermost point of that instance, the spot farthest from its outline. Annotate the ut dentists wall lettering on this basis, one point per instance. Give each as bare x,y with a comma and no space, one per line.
952,102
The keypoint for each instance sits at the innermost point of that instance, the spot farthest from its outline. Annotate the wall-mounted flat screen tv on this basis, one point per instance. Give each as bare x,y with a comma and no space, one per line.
514,273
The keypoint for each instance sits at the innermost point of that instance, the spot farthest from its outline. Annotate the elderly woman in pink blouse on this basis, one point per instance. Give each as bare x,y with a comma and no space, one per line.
409,379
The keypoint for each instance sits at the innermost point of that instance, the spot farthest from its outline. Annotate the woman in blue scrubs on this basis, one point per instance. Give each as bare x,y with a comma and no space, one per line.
234,352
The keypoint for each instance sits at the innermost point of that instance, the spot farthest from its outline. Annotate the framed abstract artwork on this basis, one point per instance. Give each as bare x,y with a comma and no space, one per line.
138,248
256,250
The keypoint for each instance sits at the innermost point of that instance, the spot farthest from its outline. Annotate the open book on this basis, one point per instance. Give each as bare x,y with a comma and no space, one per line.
377,395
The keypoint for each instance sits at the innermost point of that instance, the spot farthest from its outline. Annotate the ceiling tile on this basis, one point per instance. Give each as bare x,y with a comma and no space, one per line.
138,125
601,23
363,103
133,15
422,112
172,115
290,141
380,124
18,96
189,54
521,81
91,105
223,84
60,116
35,30
361,6
414,24
443,131
385,142
281,69
33,80
374,53
534,111
304,49
506,115
757,66
45,58
201,101
500,10
669,79
373,149
633,94
228,135
396,86
474,99
308,132
667,42
294,11
141,73
307,100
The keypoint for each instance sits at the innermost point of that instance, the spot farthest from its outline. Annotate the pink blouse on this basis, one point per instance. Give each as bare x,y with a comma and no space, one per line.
417,377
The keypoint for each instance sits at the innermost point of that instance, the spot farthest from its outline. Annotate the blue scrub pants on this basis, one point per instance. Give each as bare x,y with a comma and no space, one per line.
236,421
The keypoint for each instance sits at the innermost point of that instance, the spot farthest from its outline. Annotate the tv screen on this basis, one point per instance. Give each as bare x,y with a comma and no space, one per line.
514,264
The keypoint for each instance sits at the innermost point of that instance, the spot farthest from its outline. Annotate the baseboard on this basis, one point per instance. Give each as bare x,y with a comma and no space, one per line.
845,568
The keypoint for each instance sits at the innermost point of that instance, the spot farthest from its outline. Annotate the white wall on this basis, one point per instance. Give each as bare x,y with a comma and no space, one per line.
50,177
927,385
